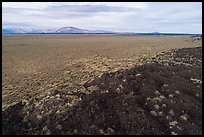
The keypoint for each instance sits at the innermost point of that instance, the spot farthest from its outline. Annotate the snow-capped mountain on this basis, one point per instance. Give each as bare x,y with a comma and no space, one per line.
72,30
64,30
13,30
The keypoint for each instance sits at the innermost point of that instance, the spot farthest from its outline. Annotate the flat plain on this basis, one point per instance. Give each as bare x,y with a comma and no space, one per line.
57,84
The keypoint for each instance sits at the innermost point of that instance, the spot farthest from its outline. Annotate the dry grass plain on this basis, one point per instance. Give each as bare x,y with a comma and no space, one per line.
36,66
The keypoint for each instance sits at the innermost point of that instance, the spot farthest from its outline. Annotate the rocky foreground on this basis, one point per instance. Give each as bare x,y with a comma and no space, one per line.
162,95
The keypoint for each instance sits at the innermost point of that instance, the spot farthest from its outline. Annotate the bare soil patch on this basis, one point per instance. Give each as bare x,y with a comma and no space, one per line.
161,95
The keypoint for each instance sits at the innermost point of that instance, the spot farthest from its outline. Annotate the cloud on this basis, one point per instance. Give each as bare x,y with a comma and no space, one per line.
80,11
88,8
168,17
14,25
116,16
67,11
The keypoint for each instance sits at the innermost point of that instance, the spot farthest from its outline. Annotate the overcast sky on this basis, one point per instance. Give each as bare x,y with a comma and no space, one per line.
182,17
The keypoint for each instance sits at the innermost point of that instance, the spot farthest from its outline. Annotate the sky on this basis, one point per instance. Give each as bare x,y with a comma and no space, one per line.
178,17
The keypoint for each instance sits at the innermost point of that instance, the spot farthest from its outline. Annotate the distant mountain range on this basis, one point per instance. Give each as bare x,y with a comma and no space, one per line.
75,30
63,30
